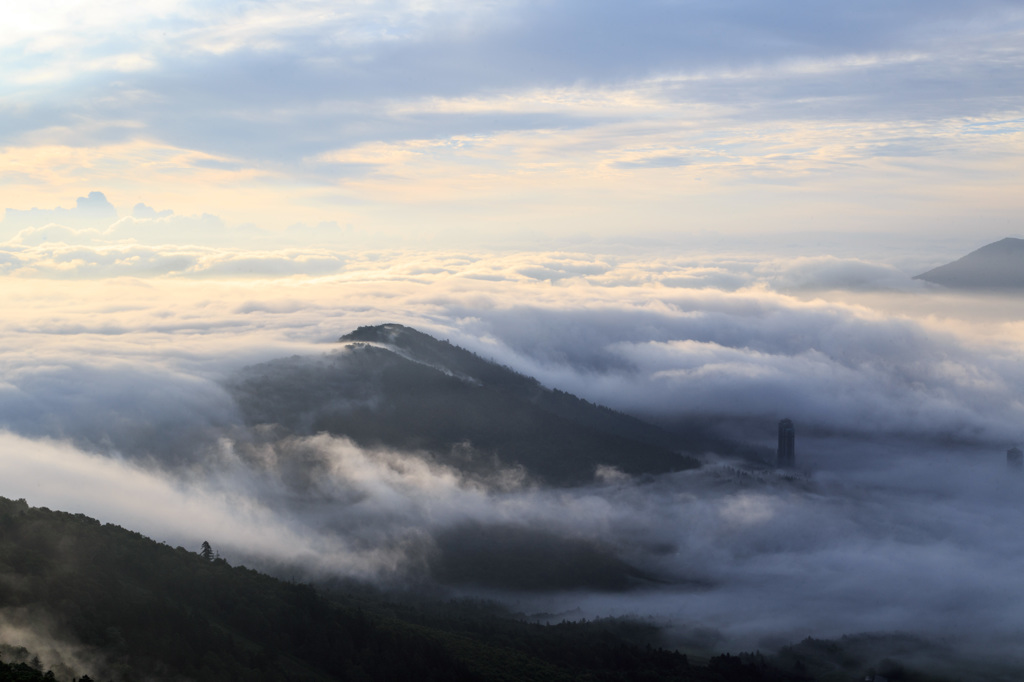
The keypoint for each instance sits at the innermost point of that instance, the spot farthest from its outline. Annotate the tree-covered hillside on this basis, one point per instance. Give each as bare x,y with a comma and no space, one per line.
146,609
102,601
396,387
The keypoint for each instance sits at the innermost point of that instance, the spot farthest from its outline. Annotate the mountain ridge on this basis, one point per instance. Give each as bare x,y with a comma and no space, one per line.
436,352
394,386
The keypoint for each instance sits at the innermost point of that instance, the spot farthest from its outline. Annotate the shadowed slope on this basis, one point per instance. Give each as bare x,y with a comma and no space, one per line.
142,610
124,608
396,387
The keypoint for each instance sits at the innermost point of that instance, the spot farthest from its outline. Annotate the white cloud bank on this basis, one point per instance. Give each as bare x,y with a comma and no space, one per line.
905,400
923,544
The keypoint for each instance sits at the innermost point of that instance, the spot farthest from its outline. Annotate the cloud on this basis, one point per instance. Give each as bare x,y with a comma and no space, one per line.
828,272
94,221
746,355
669,161
114,491
169,229
442,125
273,264
901,513
565,267
54,252
55,234
124,408
759,559
90,212
143,211
69,261
623,332
280,83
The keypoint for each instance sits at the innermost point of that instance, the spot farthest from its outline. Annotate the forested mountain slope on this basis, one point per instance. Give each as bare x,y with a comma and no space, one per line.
394,386
143,609
102,601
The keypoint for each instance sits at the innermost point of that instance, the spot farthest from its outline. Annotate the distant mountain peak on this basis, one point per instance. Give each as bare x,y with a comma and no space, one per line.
995,266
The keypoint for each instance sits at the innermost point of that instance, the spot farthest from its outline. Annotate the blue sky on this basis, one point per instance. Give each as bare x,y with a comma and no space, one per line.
512,123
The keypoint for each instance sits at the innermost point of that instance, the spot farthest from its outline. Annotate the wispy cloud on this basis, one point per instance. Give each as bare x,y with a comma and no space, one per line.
393,114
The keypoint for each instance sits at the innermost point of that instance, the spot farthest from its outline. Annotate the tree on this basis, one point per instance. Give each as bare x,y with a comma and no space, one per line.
206,551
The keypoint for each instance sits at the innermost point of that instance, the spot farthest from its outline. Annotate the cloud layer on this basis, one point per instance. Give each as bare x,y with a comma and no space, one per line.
923,544
728,339
901,517
450,121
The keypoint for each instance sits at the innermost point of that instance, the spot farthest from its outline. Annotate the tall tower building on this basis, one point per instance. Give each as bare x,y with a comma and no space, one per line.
1015,458
787,445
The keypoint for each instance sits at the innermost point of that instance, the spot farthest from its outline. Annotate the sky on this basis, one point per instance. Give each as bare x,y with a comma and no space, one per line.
679,209
437,123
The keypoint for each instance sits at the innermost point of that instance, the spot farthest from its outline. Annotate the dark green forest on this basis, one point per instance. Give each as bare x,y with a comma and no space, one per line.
467,412
141,610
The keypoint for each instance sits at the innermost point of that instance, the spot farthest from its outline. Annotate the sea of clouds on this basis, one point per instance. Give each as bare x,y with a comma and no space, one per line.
902,516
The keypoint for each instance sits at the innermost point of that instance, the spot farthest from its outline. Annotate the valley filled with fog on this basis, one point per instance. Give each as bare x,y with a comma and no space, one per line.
119,400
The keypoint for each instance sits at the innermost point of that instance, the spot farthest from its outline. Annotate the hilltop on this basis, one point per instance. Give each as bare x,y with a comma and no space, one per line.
393,386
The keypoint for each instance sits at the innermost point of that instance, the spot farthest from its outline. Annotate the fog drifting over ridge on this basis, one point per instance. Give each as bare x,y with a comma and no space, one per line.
905,401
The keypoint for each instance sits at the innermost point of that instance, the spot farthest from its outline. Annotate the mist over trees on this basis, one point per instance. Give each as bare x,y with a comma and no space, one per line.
128,608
